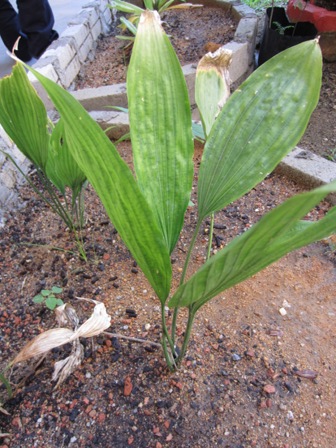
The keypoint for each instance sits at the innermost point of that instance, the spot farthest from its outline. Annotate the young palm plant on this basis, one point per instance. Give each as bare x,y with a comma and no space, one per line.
24,118
135,12
259,124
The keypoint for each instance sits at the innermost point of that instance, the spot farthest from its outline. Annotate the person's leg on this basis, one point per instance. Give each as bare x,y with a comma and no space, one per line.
36,21
10,30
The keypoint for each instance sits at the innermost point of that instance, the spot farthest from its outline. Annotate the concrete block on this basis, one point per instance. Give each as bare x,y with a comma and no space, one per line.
96,30
2,156
49,57
102,97
49,72
77,32
308,169
241,10
84,50
91,14
107,15
70,72
8,198
8,178
5,141
65,55
19,157
46,70
240,60
189,72
247,32
116,122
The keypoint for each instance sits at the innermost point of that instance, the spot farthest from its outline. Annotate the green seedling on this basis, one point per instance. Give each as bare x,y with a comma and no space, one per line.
46,146
48,297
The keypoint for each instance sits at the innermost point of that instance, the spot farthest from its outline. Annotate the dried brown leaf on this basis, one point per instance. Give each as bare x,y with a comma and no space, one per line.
219,61
43,343
65,367
66,316
96,324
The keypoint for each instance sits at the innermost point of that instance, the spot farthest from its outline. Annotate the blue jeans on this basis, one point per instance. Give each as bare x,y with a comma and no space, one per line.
33,22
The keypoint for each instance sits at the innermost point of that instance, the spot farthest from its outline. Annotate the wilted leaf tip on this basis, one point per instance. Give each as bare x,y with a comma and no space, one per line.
220,60
150,16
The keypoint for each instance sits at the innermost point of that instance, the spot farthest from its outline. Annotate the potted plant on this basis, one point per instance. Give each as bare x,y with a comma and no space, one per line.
280,34
322,14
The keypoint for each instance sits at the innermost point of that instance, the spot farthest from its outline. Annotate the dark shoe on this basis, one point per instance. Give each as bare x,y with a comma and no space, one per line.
23,52
53,36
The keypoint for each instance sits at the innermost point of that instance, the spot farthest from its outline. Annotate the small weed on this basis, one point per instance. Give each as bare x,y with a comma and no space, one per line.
49,298
330,154
259,5
281,29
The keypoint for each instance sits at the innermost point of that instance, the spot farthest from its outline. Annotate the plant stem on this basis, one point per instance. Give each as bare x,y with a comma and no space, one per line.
183,275
57,205
212,222
187,334
170,357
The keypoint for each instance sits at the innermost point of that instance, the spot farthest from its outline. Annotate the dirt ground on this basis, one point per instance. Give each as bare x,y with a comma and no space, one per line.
252,377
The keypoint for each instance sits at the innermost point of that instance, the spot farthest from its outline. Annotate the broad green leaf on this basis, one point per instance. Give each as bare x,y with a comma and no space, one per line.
51,302
126,7
129,25
149,4
23,116
162,6
198,131
212,85
160,125
260,123
61,167
45,292
38,299
129,38
114,183
277,233
56,289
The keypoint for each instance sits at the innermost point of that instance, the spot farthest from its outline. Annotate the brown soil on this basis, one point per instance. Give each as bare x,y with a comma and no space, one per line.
193,32
251,377
320,136
244,380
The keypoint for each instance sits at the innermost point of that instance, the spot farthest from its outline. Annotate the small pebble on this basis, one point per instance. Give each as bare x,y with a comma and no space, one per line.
282,311
236,357
269,389
290,415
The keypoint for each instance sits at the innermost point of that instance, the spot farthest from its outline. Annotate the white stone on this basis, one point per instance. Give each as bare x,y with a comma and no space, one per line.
282,311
